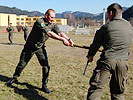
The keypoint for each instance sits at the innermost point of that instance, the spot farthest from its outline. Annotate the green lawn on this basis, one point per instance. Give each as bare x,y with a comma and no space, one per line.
66,78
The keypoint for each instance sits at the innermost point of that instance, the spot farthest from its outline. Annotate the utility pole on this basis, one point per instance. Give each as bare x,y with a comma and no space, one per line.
103,16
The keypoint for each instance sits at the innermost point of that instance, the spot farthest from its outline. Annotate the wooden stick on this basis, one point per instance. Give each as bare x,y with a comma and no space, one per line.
85,47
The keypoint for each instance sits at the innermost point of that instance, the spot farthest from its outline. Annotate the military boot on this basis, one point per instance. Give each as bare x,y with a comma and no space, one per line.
12,80
45,89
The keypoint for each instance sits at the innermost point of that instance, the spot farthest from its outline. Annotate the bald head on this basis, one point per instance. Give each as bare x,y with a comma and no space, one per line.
50,15
49,11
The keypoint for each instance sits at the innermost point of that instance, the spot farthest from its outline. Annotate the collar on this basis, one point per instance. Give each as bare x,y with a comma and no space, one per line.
46,22
115,18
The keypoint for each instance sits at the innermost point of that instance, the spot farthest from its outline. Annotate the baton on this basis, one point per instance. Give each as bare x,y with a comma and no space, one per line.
85,47
81,46
86,67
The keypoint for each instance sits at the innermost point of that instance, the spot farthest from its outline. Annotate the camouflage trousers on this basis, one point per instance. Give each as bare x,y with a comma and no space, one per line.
111,70
25,36
10,37
25,57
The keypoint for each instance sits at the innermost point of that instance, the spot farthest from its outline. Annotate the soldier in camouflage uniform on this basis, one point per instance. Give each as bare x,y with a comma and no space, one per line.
26,31
10,29
43,29
116,38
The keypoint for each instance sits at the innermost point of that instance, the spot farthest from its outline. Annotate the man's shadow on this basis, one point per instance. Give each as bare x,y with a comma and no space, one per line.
30,93
13,44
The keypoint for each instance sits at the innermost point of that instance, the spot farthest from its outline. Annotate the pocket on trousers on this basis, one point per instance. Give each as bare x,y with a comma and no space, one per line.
123,85
124,80
95,77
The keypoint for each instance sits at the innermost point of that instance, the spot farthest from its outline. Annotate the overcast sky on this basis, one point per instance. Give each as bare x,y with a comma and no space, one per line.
90,6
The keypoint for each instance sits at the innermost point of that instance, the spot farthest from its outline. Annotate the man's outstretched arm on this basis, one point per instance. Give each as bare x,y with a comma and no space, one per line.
62,37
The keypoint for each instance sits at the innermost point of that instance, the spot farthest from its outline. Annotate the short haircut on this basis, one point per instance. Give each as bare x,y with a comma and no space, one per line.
115,8
48,11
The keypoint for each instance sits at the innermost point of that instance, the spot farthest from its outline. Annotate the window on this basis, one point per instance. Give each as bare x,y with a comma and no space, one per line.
34,18
17,23
58,20
22,18
29,23
28,19
22,23
17,19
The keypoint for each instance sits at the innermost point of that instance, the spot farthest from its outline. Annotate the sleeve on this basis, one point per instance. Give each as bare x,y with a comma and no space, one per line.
40,25
56,29
97,41
12,29
9,29
23,28
26,27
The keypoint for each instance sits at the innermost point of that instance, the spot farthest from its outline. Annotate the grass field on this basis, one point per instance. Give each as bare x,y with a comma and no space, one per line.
66,78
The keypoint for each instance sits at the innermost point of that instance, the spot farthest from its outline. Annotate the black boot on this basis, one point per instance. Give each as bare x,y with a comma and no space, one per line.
12,80
45,89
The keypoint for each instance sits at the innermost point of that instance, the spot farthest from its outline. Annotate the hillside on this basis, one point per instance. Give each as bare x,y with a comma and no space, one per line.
14,10
77,14
74,18
128,14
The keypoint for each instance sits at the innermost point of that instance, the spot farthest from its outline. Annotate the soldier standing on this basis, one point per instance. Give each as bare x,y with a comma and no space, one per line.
116,38
26,31
10,29
43,29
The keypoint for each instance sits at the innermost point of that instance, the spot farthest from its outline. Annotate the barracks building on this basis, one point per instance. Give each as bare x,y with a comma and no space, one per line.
6,19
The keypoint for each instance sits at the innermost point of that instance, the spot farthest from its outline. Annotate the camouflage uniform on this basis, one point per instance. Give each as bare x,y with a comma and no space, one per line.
26,31
115,37
35,44
10,29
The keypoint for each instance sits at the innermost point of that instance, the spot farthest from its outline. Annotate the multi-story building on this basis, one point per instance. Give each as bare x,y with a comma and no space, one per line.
6,19
58,21
20,20
30,20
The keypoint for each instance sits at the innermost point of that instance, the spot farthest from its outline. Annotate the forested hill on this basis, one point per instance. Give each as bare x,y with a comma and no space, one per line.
76,14
71,16
128,14
14,10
